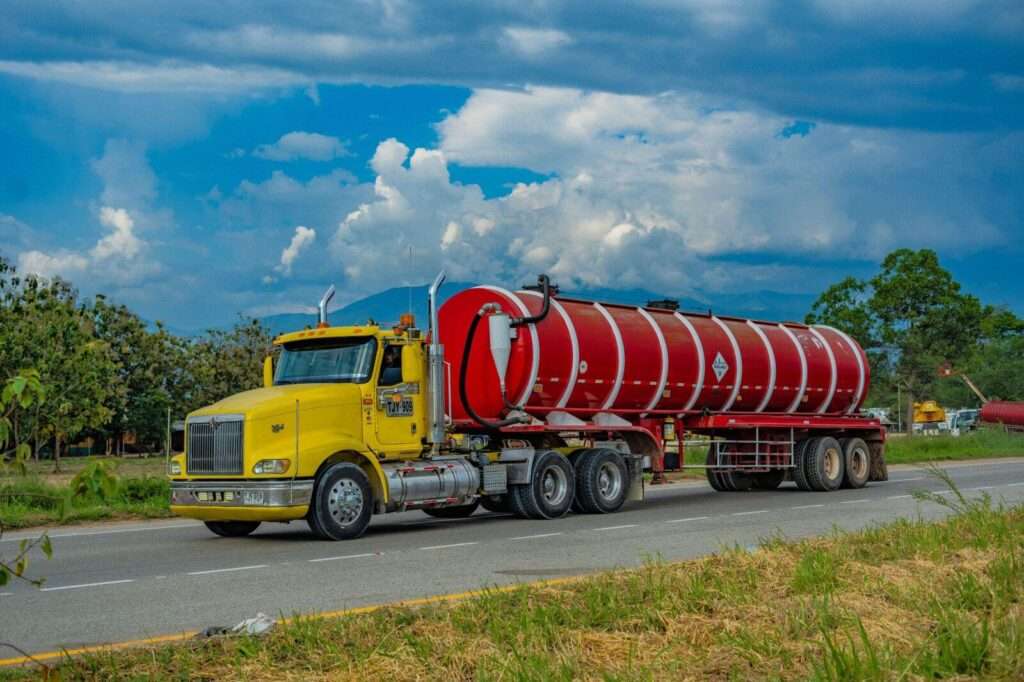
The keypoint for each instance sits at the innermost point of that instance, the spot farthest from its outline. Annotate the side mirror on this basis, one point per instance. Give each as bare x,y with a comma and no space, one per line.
268,371
412,364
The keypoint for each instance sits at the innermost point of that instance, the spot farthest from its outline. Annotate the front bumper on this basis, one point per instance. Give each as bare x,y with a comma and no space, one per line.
249,500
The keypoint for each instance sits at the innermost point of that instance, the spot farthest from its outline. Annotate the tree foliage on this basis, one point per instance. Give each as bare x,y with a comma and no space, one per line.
104,371
911,318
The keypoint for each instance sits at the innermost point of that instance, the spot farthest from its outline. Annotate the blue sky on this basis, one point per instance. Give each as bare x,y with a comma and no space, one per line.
201,159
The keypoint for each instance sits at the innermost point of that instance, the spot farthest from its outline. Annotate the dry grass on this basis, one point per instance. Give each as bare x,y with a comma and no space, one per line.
910,600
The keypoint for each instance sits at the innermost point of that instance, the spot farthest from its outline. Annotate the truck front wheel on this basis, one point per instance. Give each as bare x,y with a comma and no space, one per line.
342,503
232,529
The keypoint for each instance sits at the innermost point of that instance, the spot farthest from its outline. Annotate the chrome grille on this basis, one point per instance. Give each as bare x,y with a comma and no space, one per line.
215,444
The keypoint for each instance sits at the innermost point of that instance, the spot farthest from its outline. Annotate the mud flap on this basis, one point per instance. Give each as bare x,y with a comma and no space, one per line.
879,470
635,464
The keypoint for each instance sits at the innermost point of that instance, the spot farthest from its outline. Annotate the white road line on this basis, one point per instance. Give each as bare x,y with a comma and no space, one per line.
808,506
454,544
981,487
898,497
534,537
227,570
691,518
6,594
628,525
854,501
22,536
1010,485
338,558
748,513
904,480
75,587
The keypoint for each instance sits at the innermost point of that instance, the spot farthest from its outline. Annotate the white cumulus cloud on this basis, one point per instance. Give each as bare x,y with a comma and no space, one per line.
302,145
301,240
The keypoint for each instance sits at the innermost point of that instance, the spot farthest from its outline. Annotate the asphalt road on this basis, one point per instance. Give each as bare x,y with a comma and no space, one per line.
114,583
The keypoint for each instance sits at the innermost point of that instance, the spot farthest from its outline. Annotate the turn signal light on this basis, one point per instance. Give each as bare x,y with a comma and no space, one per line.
271,466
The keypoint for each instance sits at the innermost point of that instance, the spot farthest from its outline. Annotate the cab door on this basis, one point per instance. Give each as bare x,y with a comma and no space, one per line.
399,405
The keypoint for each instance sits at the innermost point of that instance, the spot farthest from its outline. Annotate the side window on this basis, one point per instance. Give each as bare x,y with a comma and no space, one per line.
391,366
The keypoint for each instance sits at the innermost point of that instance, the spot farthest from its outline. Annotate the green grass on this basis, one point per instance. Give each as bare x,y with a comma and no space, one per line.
32,501
985,442
907,600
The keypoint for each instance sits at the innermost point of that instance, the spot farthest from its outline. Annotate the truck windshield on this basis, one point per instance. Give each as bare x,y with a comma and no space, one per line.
323,361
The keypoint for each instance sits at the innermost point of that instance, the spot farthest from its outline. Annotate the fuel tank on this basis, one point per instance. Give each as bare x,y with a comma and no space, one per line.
587,357
999,412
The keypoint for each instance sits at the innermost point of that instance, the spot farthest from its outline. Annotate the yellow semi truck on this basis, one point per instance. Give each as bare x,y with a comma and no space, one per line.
352,421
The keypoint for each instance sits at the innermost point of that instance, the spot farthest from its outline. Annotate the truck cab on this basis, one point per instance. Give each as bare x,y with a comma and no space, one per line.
335,395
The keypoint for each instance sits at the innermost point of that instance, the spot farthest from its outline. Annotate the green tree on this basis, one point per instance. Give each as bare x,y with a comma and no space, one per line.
910,317
44,328
139,397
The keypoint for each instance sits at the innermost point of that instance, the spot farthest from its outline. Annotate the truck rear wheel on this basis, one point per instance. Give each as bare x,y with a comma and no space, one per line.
232,529
549,493
726,480
601,481
857,459
342,503
799,461
824,464
457,512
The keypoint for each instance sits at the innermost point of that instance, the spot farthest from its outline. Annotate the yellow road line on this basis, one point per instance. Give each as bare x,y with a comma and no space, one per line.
189,634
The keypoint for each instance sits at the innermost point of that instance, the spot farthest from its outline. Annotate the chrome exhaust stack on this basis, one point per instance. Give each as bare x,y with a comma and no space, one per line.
435,371
324,302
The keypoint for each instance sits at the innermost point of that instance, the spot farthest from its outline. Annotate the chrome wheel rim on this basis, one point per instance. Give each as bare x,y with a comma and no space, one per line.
554,485
345,501
831,463
609,481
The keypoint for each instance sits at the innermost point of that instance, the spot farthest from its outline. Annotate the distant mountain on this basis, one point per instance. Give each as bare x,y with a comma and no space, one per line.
386,307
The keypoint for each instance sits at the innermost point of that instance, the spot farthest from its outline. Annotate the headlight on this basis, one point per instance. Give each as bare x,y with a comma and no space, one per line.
174,468
271,466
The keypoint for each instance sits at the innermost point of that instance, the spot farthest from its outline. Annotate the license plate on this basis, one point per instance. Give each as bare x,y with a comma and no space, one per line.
400,408
253,497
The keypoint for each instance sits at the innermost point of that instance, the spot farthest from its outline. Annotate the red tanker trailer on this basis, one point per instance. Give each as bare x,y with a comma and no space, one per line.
777,400
1010,415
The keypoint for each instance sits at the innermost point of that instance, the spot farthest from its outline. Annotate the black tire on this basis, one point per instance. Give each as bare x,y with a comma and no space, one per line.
342,503
232,529
824,465
857,461
714,477
496,503
551,489
602,481
726,480
458,512
768,480
799,462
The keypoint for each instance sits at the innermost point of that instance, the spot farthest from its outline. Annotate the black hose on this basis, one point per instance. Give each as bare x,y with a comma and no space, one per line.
464,368
545,284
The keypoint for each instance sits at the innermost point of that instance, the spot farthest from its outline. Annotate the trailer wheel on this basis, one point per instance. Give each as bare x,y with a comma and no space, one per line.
714,477
232,529
456,512
342,503
769,480
800,451
550,491
602,481
857,459
496,503
824,464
